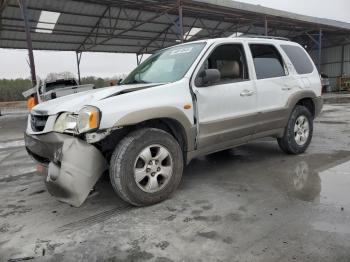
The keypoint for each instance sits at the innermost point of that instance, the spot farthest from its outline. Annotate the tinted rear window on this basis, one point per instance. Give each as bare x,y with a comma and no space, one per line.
267,61
299,59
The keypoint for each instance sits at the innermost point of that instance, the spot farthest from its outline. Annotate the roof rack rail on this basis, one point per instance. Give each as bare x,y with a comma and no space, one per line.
266,37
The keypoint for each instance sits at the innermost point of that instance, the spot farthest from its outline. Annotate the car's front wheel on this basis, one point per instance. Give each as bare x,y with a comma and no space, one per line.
146,166
298,133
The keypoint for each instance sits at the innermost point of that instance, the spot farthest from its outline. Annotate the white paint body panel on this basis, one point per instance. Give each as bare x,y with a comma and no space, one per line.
214,102
113,108
223,101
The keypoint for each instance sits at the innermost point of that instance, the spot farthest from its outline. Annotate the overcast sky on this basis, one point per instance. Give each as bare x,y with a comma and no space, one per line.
13,63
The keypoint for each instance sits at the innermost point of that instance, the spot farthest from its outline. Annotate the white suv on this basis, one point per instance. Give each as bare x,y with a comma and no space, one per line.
182,102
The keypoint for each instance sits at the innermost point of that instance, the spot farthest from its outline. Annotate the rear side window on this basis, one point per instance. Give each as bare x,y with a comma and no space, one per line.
267,61
299,59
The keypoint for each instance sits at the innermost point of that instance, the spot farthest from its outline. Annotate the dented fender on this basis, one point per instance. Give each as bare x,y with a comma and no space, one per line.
168,112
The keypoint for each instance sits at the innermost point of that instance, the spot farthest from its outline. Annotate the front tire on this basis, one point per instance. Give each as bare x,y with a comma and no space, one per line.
146,167
298,133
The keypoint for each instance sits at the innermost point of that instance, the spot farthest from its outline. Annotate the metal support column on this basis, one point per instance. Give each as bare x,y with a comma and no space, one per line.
180,21
24,10
319,50
78,55
138,58
265,26
342,60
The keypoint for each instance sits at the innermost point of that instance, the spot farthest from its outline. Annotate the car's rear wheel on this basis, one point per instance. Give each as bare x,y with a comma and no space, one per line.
146,166
298,133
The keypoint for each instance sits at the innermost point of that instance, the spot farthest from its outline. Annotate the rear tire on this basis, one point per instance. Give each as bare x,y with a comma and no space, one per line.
298,133
146,167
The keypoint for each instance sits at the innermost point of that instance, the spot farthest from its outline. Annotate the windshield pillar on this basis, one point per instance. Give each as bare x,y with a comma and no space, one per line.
181,29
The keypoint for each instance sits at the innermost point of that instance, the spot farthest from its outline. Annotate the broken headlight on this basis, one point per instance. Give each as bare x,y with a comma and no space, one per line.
87,119
66,123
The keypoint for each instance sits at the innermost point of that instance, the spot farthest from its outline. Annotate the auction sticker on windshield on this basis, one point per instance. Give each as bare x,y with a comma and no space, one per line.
181,51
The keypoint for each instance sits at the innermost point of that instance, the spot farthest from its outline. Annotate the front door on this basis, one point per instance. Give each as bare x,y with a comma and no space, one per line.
226,109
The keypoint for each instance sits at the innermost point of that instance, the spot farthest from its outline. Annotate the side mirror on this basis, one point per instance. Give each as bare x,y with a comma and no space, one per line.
208,77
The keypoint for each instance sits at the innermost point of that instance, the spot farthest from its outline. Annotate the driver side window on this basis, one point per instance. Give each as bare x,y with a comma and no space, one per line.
229,60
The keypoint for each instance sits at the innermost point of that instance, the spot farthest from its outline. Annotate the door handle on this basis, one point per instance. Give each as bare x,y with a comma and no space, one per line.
246,92
286,88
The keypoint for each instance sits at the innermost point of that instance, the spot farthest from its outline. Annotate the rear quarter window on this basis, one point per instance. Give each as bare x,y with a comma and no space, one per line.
297,55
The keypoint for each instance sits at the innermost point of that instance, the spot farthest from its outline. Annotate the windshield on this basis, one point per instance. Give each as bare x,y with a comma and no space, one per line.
166,66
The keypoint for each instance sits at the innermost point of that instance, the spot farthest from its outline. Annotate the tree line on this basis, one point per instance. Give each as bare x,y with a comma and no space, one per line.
11,89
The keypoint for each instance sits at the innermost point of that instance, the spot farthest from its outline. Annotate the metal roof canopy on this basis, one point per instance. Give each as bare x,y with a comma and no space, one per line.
144,26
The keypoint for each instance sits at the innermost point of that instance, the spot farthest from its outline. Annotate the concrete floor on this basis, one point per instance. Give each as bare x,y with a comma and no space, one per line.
252,203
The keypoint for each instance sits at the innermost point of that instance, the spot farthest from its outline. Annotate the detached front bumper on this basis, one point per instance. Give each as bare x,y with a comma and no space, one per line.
73,166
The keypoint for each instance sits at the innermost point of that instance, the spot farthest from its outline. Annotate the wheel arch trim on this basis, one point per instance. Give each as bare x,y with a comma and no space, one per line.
295,98
162,113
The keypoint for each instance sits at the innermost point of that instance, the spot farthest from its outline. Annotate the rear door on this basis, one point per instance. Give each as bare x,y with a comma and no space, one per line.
226,109
274,85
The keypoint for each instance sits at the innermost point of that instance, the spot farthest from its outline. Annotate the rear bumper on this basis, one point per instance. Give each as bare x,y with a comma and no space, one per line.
72,165
318,102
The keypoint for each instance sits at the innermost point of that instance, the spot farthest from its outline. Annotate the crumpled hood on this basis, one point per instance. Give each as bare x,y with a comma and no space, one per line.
74,102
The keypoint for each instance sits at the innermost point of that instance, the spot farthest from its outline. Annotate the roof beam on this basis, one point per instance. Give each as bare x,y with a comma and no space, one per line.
80,14
2,7
112,28
229,17
121,37
232,18
3,4
69,42
154,39
133,27
94,28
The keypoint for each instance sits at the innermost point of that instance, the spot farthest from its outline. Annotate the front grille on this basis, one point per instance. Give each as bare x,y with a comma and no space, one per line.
38,122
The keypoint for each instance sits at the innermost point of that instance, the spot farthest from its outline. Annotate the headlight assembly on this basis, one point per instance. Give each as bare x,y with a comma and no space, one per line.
66,122
87,119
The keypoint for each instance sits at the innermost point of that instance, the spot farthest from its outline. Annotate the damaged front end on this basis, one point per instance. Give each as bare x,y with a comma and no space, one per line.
72,163
73,166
